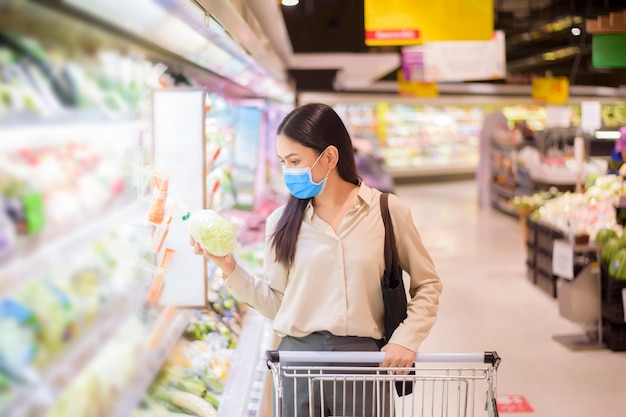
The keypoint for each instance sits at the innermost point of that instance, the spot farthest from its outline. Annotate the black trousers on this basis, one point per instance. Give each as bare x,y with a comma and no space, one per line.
349,398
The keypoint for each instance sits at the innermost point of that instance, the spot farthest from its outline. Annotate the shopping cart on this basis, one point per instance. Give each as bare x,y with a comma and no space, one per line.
318,384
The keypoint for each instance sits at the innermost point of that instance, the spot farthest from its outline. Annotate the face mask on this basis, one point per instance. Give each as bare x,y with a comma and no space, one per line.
300,182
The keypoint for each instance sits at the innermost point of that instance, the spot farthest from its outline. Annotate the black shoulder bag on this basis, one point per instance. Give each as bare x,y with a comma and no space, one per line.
394,295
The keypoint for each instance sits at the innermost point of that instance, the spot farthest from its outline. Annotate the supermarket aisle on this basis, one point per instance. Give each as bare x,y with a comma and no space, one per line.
488,304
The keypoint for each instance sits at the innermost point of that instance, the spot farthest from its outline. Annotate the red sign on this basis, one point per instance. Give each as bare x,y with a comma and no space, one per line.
513,404
392,35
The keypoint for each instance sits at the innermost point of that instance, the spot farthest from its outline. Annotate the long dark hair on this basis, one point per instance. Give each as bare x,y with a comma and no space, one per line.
315,126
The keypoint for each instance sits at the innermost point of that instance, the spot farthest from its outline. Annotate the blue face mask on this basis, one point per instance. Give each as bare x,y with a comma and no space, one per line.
300,182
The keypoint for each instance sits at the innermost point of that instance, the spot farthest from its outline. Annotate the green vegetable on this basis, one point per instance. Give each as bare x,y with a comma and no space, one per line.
213,232
617,266
609,249
604,235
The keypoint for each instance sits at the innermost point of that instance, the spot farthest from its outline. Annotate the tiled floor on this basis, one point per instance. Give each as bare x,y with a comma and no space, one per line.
489,304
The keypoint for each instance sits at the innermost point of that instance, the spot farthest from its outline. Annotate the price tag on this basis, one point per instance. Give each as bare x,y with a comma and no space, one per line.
563,259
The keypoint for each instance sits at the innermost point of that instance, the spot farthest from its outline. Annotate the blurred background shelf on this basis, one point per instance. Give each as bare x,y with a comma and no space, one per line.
39,253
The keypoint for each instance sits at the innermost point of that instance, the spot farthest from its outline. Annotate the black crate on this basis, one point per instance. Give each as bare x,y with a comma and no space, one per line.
613,312
614,335
545,237
531,236
546,282
611,287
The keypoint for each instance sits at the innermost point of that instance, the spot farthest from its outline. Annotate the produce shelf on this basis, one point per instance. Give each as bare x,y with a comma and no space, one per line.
59,375
35,257
152,361
40,133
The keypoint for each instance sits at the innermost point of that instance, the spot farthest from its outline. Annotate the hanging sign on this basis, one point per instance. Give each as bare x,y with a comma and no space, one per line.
590,116
412,22
413,63
416,88
550,90
465,60
607,50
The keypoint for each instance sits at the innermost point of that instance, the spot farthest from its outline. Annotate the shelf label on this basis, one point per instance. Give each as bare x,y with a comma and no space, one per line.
563,259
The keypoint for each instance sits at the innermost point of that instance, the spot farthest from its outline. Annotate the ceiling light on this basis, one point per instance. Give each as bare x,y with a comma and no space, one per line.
576,31
290,2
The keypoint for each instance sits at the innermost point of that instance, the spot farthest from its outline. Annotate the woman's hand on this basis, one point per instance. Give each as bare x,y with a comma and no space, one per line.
226,263
397,356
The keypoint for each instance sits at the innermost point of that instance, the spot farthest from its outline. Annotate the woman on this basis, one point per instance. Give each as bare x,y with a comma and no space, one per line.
324,252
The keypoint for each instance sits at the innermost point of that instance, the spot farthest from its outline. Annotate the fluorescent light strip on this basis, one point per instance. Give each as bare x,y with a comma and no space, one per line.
604,134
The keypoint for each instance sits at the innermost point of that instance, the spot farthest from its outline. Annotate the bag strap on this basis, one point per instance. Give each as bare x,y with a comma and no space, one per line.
391,253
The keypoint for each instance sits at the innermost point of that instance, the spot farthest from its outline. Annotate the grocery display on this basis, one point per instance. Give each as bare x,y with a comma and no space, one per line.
89,227
588,224
418,140
72,160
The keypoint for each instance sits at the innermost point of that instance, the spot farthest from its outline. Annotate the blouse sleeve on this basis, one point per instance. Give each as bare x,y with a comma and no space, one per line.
264,295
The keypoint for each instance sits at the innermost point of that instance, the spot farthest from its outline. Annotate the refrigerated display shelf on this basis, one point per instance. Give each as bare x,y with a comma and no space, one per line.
59,375
150,364
34,257
46,132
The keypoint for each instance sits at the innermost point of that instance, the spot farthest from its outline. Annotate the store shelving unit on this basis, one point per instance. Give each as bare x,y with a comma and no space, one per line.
34,256
151,362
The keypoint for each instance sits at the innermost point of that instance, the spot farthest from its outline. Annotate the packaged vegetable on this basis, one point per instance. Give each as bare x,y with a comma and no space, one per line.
213,232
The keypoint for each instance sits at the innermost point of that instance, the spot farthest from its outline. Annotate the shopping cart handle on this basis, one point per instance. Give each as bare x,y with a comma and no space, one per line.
291,356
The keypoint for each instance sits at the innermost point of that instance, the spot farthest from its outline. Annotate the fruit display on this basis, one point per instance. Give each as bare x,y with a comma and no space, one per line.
535,200
617,265
584,213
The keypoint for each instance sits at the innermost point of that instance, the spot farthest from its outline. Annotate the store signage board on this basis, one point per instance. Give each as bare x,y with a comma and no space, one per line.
607,50
451,61
416,88
412,22
413,63
591,116
558,116
178,131
550,90
563,259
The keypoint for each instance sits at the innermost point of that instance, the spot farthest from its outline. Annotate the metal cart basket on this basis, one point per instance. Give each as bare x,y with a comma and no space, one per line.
323,384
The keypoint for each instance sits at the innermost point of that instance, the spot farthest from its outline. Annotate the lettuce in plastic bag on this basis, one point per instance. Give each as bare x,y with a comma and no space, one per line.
213,232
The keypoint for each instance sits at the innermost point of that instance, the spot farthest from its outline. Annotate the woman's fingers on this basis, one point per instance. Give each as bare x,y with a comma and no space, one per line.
398,357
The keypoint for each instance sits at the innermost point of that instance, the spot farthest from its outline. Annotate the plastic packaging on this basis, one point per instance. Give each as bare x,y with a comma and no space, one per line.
213,232
156,213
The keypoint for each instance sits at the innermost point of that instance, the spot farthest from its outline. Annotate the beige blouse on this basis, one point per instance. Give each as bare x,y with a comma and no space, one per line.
334,283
